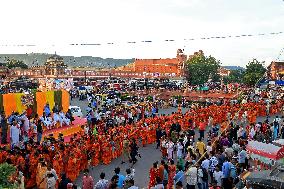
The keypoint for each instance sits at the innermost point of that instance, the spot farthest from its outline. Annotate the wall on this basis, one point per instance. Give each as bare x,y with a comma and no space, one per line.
156,65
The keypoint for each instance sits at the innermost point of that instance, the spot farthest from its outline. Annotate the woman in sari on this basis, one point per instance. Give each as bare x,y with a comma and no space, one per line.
172,173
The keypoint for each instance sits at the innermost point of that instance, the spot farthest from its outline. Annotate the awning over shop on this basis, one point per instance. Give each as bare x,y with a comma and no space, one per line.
266,150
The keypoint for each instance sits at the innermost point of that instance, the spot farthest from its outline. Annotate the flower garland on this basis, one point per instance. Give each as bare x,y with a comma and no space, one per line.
27,99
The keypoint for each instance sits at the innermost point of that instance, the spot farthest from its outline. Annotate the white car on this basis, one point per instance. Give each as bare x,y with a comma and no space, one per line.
76,111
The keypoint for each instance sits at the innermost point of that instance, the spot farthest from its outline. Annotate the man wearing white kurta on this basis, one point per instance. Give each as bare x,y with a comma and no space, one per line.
26,122
98,115
191,176
179,150
46,120
170,149
65,120
15,133
26,125
56,118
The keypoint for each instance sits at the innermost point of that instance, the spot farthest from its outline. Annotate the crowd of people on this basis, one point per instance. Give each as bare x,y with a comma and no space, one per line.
115,130
216,162
166,97
221,159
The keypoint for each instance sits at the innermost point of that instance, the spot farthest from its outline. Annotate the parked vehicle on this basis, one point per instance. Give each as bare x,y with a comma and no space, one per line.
24,83
76,111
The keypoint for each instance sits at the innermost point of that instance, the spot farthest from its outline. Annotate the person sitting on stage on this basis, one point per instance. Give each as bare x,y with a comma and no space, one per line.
46,109
69,116
65,120
56,119
47,121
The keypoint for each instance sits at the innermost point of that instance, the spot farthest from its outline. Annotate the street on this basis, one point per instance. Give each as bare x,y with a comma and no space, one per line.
149,155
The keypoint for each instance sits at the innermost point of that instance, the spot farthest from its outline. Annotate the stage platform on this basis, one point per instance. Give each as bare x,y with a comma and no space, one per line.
67,131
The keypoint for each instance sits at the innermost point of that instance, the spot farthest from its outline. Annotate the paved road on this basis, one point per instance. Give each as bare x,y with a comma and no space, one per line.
80,103
149,155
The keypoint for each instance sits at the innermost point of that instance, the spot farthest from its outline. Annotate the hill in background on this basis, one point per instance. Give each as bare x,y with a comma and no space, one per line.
34,59
234,67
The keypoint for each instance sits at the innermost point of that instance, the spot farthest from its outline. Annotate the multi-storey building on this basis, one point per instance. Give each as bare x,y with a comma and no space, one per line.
161,67
275,70
140,68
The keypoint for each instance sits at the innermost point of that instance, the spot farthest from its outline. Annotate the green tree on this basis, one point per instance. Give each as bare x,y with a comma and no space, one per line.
202,68
6,171
235,76
13,63
254,72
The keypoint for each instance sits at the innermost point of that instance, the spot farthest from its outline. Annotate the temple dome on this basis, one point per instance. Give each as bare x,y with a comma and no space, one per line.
55,60
55,65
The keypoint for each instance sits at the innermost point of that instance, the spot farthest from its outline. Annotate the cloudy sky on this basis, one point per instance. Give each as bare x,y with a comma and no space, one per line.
51,25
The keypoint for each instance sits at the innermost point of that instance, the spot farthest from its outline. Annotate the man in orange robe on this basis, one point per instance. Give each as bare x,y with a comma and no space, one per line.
56,165
119,145
95,154
40,177
106,153
21,163
84,158
31,181
72,168
144,137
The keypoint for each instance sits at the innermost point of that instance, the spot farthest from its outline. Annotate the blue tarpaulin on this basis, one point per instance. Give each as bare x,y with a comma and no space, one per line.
279,82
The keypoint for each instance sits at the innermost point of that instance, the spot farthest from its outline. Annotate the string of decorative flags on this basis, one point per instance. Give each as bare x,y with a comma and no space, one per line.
280,54
186,39
166,40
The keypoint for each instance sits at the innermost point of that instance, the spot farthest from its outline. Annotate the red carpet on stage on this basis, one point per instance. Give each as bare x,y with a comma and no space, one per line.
67,130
